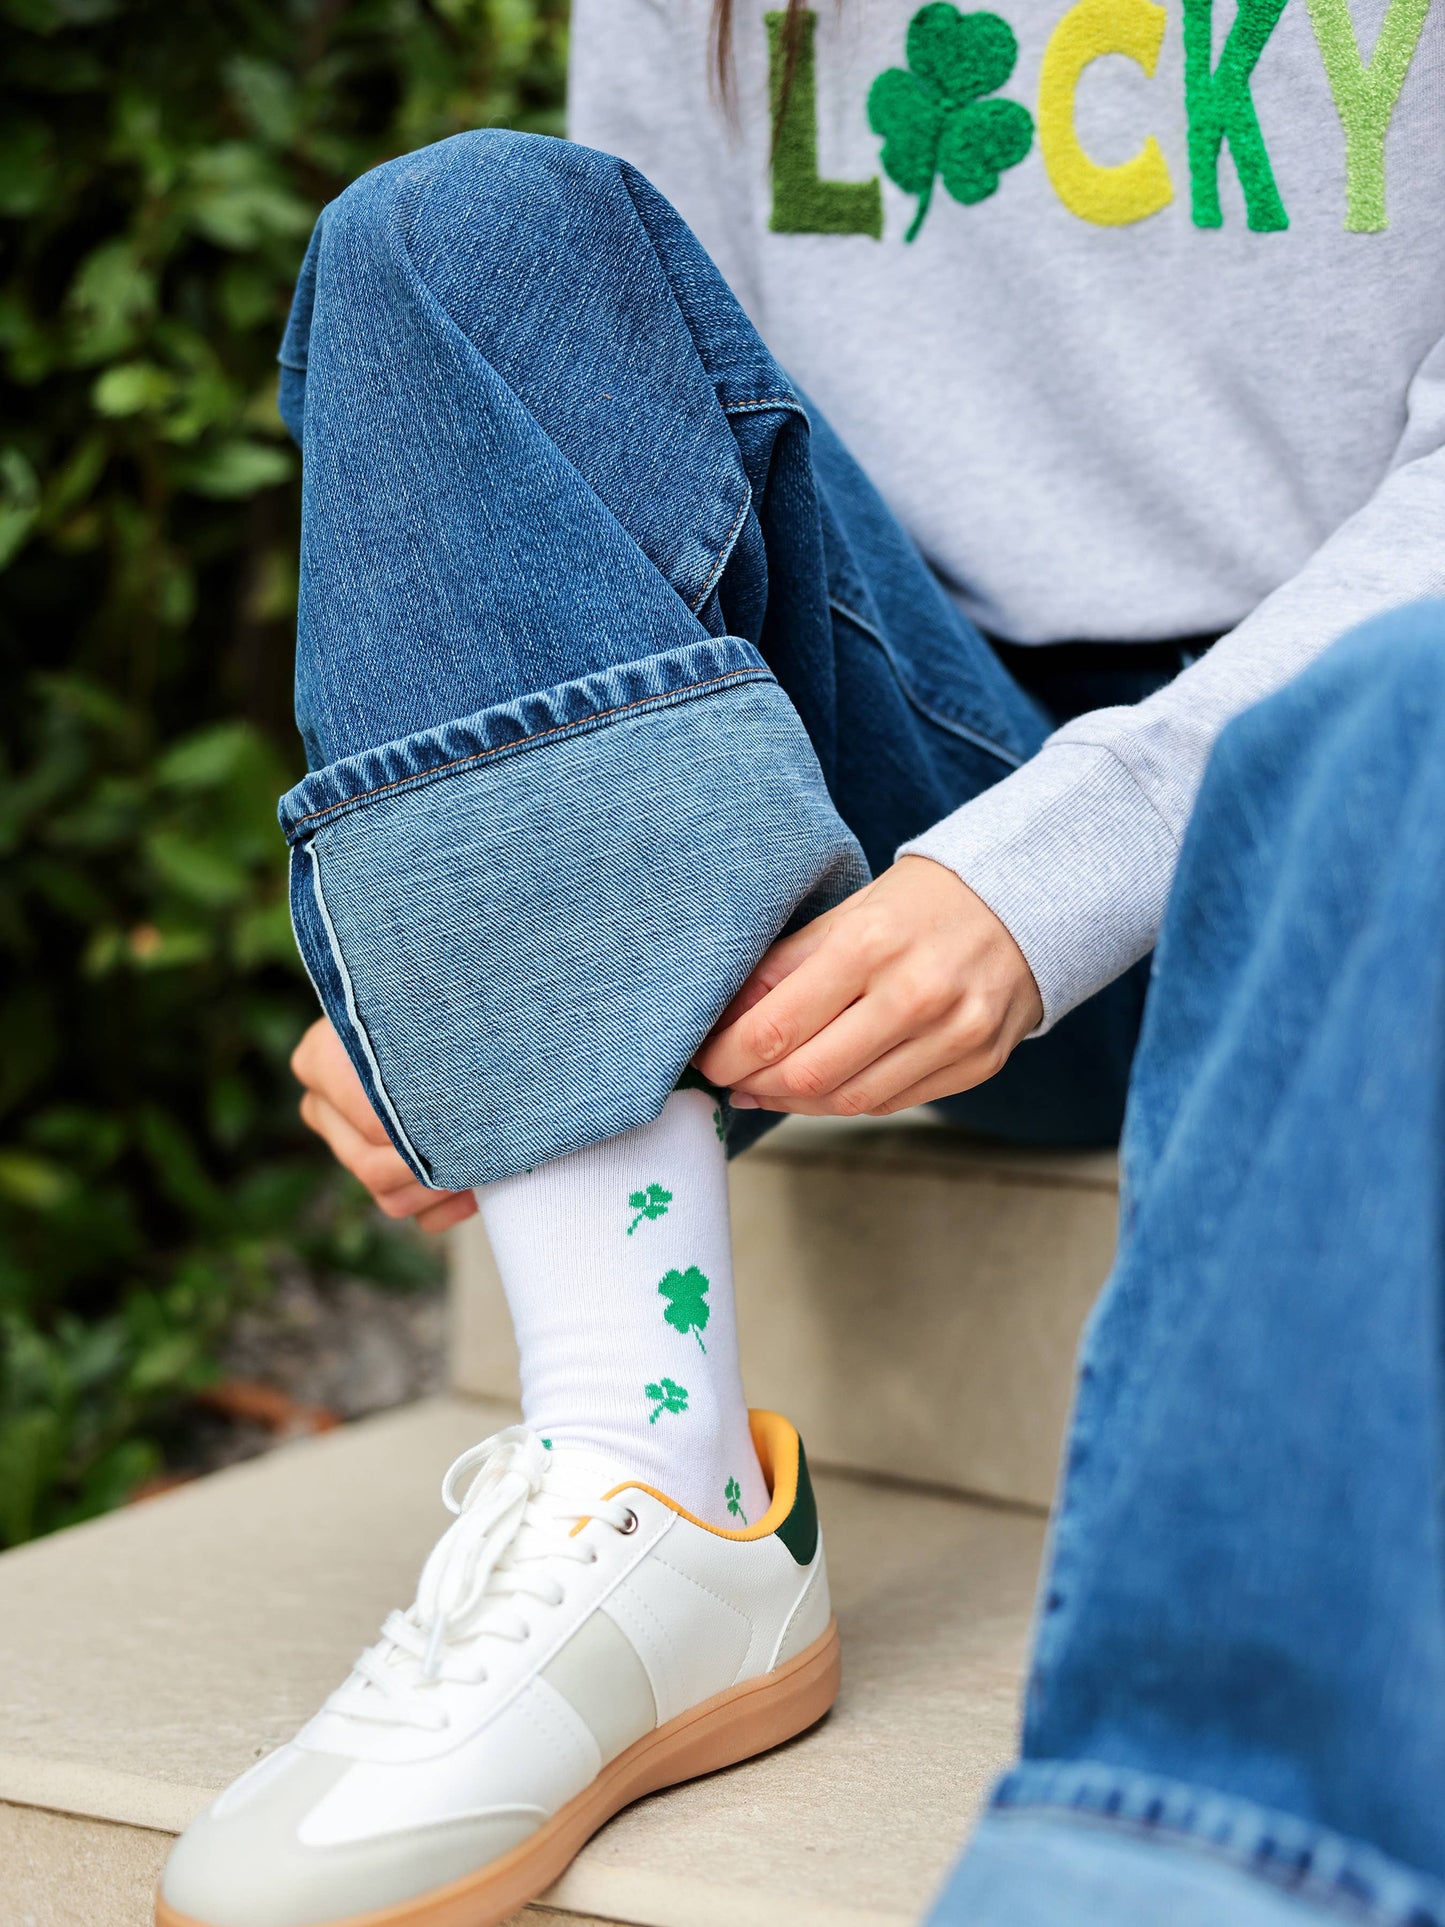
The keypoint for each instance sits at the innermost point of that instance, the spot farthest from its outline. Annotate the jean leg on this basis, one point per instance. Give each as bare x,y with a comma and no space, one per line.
559,802
1240,1650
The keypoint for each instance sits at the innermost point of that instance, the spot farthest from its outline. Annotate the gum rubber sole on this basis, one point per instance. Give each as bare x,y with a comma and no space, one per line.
731,1726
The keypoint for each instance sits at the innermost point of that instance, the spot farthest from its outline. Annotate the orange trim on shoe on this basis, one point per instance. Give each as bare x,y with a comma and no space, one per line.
779,1450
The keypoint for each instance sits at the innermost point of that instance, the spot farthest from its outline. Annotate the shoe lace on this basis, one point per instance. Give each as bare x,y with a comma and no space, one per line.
516,1517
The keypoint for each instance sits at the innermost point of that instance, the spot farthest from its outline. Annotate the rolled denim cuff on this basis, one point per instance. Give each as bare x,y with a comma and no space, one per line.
1095,1845
523,923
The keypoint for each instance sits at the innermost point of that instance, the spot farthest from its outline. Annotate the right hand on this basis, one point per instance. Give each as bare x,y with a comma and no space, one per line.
337,1108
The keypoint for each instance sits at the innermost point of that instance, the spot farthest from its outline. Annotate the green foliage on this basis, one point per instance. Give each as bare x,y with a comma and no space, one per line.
687,1309
932,114
160,168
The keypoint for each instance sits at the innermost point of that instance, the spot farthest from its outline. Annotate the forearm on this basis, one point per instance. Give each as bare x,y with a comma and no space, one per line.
1076,851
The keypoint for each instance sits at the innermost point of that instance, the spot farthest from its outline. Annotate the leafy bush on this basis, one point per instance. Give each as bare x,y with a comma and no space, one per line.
160,168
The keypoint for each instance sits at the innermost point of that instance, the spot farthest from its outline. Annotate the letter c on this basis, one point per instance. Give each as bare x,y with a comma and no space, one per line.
1107,196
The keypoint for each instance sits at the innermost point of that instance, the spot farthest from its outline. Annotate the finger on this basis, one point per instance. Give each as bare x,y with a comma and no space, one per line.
320,1063
885,1086
918,1071
787,1106
783,1021
453,1208
946,1082
380,1167
867,1031
777,963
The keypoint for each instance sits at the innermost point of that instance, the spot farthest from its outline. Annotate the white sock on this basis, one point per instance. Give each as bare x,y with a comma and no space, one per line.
617,1265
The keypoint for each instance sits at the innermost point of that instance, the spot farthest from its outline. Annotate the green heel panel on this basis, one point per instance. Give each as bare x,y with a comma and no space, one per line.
799,1531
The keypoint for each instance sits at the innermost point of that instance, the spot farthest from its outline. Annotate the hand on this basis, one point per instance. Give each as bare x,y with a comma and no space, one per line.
337,1109
910,990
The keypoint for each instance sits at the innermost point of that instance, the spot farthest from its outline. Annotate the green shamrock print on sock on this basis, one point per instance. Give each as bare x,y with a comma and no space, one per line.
688,1309
651,1203
933,117
717,1123
733,1493
667,1396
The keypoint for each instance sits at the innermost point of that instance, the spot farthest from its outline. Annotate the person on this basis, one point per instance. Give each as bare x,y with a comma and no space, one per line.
624,664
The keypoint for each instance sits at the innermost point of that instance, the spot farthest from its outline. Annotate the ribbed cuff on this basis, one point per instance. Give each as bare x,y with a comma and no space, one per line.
1074,860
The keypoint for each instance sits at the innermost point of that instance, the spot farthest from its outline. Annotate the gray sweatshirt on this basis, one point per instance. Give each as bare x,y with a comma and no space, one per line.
1134,316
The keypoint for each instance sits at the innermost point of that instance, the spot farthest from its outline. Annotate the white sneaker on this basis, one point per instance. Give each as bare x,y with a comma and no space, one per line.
577,1640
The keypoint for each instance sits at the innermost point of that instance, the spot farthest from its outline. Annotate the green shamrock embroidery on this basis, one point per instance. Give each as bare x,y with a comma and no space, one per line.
932,116
717,1123
651,1203
688,1309
668,1396
733,1493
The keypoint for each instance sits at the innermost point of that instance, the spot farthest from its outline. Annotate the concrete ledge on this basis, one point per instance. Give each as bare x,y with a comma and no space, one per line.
57,1871
911,1300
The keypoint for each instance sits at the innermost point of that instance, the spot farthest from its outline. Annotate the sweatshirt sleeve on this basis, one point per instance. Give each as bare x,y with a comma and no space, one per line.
638,86
1075,852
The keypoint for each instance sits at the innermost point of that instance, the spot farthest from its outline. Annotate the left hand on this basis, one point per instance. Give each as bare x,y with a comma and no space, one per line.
335,1105
908,991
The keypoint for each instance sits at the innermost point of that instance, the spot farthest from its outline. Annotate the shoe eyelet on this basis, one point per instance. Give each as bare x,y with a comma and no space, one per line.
629,1524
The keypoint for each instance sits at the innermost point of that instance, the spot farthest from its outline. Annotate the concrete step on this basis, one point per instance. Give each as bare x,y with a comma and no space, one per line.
910,1299
147,1657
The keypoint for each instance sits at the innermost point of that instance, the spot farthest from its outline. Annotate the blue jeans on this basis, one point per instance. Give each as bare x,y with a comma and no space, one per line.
1237,1707
612,666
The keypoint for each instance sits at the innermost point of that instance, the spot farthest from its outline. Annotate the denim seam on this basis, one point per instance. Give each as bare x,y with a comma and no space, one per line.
785,401
354,1014
768,401
664,699
401,242
974,736
1352,1888
624,170
724,552
1356,1907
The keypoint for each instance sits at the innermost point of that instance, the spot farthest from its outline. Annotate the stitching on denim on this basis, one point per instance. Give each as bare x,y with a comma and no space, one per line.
1333,1866
1366,1907
955,728
625,171
723,553
401,245
354,1014
520,742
